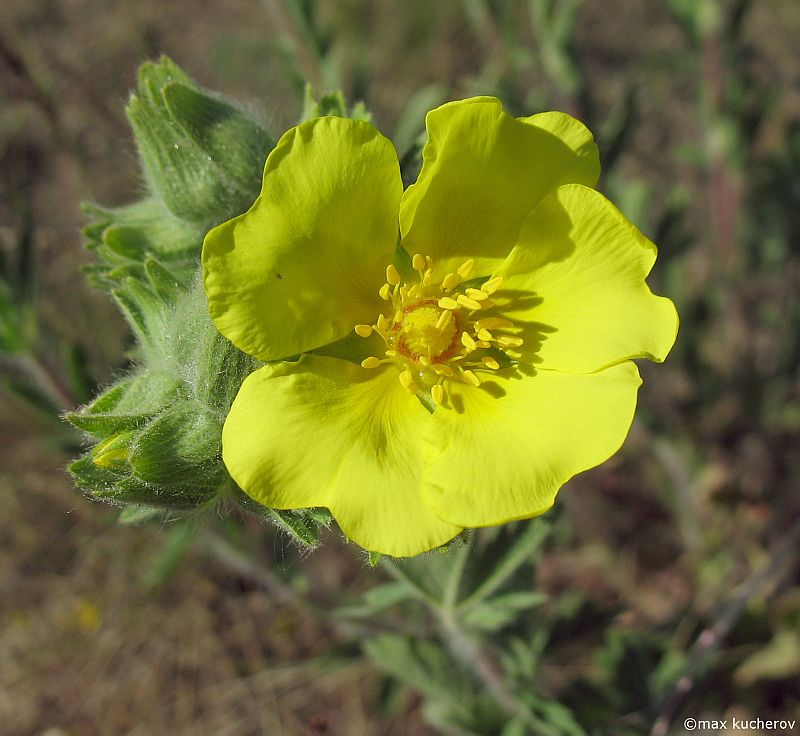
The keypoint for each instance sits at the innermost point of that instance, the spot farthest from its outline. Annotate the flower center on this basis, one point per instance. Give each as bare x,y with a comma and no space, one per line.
436,333
425,331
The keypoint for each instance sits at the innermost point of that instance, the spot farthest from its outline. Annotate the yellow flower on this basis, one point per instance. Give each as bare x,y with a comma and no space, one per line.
509,301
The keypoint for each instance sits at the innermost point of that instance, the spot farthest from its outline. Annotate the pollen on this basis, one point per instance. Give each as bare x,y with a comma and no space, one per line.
436,333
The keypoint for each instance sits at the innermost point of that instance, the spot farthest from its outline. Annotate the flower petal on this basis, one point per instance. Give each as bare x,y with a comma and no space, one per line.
483,172
506,448
325,432
576,281
304,264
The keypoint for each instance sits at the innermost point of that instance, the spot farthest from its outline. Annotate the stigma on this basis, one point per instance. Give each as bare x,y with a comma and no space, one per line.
438,332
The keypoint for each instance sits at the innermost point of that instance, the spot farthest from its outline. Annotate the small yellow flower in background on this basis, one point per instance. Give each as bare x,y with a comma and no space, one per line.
512,309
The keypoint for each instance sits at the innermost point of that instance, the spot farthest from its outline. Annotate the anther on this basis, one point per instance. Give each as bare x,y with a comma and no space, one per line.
398,316
465,268
451,281
467,341
384,292
476,294
392,275
492,285
363,330
492,323
382,324
510,342
371,362
407,382
447,303
484,334
418,262
490,362
437,394
465,301
444,320
470,377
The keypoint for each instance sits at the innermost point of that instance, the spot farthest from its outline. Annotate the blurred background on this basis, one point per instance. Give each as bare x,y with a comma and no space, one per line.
677,558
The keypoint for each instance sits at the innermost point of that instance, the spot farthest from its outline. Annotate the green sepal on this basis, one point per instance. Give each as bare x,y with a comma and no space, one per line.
234,141
165,283
146,226
200,155
296,525
180,448
92,478
333,104
125,239
128,404
141,307
132,490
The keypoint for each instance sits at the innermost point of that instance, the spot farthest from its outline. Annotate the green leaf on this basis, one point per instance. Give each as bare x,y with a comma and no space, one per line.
179,539
423,665
496,613
378,599
780,659
512,548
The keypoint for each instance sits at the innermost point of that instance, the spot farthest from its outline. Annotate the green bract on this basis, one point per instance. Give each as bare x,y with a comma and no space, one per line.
478,366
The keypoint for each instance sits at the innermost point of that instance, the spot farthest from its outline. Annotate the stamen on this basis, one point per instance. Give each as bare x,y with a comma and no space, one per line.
492,323
465,268
467,341
418,262
492,285
510,342
427,339
407,382
476,294
465,301
470,377
451,281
